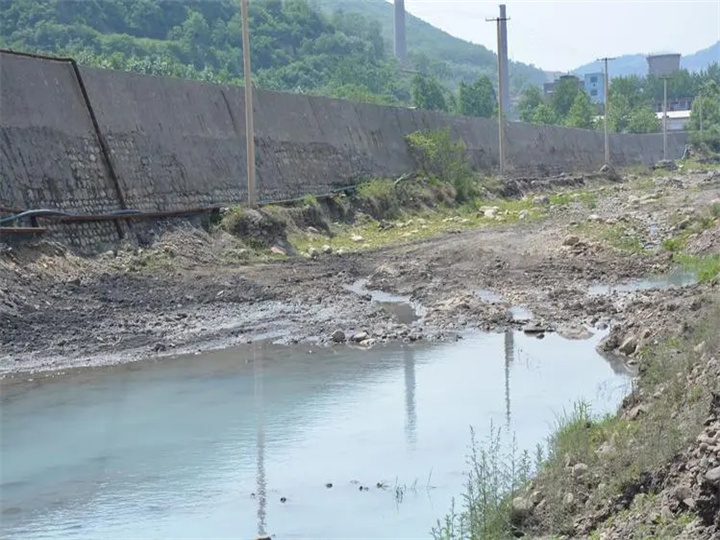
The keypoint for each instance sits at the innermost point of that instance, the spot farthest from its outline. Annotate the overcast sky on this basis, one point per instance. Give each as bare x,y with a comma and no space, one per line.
561,35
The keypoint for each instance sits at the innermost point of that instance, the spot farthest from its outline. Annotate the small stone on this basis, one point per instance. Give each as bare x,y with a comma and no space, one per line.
160,347
536,497
594,218
357,238
700,347
338,336
713,476
682,492
277,250
490,212
326,249
313,230
629,345
571,241
313,252
541,200
523,214
579,469
360,336
569,500
520,510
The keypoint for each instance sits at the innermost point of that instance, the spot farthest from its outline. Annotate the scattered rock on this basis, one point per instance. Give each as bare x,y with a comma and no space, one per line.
313,252
579,470
313,230
629,346
523,214
569,500
713,476
571,241
338,336
277,250
327,249
541,200
357,238
594,218
574,331
359,336
160,347
520,510
682,493
534,328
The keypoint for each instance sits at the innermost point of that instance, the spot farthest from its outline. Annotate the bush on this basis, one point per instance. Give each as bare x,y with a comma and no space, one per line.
437,155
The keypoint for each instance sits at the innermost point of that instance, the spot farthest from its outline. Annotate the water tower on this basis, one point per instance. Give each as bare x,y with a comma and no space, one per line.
664,66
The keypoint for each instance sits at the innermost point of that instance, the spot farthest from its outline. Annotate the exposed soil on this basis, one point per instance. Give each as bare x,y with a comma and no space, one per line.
57,310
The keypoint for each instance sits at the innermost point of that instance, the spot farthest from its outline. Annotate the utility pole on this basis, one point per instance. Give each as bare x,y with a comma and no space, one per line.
501,89
606,99
249,128
665,80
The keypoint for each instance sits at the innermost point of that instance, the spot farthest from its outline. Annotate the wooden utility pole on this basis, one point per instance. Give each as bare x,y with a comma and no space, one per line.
501,89
249,127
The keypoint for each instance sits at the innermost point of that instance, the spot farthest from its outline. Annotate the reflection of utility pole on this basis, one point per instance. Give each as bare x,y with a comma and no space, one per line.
259,419
249,128
501,90
509,357
410,412
606,99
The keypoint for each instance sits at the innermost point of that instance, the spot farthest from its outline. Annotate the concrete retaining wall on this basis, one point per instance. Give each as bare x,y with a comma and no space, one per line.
175,144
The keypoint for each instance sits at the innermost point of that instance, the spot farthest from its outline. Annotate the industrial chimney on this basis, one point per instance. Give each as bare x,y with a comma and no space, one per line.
400,45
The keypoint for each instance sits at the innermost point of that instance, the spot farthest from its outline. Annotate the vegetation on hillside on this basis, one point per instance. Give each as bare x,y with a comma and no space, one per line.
436,53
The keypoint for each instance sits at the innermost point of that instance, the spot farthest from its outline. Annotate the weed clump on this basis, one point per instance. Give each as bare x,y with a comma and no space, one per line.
437,155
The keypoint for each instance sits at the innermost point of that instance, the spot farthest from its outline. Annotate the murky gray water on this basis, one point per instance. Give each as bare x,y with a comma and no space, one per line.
676,278
206,446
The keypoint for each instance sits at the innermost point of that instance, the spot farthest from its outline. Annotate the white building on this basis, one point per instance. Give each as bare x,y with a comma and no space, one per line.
676,120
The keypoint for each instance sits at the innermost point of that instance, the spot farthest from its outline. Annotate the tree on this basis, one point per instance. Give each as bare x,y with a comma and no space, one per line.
709,103
643,120
530,100
427,94
544,114
581,114
477,99
563,96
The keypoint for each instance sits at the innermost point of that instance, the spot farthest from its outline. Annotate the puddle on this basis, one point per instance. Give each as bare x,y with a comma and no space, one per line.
245,442
672,279
518,313
489,297
404,310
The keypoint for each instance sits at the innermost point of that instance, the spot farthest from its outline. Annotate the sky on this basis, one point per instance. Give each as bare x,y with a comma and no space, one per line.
561,35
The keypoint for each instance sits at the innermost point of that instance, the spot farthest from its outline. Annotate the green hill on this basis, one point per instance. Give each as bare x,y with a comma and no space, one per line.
430,49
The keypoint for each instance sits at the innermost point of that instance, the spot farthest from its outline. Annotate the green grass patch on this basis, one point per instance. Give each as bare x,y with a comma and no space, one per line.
707,268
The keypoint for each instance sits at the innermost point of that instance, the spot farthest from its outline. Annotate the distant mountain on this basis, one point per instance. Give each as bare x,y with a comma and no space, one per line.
464,60
636,64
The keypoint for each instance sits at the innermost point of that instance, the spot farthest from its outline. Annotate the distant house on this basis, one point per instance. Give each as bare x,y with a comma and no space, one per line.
676,120
548,88
674,104
595,87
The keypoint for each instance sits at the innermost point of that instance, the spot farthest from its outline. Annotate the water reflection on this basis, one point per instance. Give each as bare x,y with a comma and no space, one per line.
258,376
509,356
410,412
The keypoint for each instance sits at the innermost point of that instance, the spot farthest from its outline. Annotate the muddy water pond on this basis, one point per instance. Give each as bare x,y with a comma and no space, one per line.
340,443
